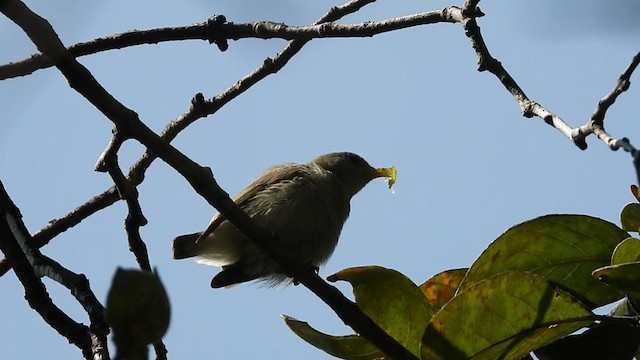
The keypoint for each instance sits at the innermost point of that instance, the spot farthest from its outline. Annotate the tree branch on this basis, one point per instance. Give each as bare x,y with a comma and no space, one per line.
531,108
486,62
132,223
596,121
201,179
217,30
14,240
199,109
135,218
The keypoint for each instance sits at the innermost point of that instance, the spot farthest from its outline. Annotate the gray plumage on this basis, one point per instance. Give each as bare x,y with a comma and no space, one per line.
305,205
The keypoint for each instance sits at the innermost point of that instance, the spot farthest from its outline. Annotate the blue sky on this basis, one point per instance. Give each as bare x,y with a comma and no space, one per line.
469,165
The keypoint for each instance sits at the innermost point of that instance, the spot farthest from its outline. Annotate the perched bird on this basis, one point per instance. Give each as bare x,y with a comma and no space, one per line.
304,205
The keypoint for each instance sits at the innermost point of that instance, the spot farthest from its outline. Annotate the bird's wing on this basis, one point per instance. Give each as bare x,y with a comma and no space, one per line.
270,176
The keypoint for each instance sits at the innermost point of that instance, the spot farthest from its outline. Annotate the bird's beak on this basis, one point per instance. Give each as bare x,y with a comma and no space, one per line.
390,173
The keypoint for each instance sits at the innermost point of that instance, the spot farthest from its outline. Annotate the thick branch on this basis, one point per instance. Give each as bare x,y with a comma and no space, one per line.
201,179
13,238
73,218
217,30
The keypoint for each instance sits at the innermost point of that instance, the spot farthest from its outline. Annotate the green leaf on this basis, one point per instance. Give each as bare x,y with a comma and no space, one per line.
392,301
503,317
350,347
442,287
562,248
630,217
626,252
624,277
138,311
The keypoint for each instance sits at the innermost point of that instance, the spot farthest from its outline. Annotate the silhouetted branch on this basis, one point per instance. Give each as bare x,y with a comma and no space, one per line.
135,218
29,265
217,30
73,218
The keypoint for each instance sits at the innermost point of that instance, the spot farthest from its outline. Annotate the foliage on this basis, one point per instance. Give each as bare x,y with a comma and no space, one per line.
533,287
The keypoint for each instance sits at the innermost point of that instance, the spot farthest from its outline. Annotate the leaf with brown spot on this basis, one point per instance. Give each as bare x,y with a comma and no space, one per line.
442,287
503,317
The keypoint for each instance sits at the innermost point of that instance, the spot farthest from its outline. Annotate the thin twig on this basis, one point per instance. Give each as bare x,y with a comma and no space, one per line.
486,62
135,218
217,30
530,108
595,125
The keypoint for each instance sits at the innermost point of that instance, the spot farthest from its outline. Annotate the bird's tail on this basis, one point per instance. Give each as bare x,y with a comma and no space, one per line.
185,246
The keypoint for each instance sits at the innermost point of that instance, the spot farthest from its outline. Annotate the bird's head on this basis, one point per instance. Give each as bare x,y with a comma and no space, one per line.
353,171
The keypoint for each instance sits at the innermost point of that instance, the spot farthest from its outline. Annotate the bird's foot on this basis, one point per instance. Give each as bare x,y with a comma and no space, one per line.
315,269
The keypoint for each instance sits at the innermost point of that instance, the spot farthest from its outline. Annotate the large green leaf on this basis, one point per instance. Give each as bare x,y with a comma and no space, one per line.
630,217
503,317
561,248
624,277
392,301
442,287
350,347
627,251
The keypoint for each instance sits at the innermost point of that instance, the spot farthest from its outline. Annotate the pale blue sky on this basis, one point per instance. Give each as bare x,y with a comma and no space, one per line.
469,165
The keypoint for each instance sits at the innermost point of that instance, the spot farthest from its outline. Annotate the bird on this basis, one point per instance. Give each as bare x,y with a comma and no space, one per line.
304,205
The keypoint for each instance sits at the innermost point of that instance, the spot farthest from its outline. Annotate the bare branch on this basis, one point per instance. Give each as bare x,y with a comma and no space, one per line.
596,121
110,153
73,218
531,108
595,124
201,179
199,109
14,238
217,30
486,62
135,218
